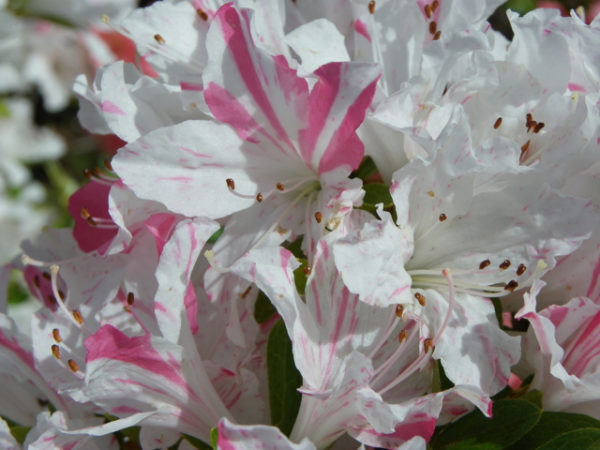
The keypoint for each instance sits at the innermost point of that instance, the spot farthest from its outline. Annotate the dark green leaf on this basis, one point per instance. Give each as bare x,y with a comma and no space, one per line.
300,277
582,439
284,379
377,193
4,111
534,396
16,292
512,419
366,169
552,425
216,235
295,247
263,308
214,437
19,433
198,443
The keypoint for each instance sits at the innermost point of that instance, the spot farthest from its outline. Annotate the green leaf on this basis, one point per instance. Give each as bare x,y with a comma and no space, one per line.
583,439
284,379
263,308
366,169
521,6
198,443
378,193
300,277
216,235
552,425
4,111
534,396
214,437
512,419
19,432
16,292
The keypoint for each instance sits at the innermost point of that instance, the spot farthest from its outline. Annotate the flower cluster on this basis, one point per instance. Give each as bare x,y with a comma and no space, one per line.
372,182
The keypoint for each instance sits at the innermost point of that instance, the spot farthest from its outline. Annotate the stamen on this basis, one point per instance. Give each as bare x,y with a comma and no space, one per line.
318,217
47,276
538,127
230,183
434,5
402,336
420,298
259,197
432,27
437,35
56,335
202,14
55,351
497,123
372,6
108,165
243,295
431,194
307,270
73,365
36,281
511,286
280,186
525,147
504,264
521,269
130,298
158,38
399,311
428,11
54,268
442,217
428,345
77,316
483,264
97,222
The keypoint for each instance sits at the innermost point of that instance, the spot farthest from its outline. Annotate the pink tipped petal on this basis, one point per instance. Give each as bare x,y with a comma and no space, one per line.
251,437
7,441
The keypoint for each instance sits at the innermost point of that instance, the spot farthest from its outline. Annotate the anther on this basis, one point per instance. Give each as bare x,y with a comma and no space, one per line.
56,335
511,285
73,365
437,35
372,6
402,336
307,271
432,27
431,194
230,183
521,269
497,123
243,295
428,11
259,197
130,298
318,216
97,172
442,217
280,186
158,38
61,295
108,165
55,351
525,147
36,281
504,264
529,119
77,316
483,264
46,275
420,298
87,173
399,311
202,14
51,299
434,5
538,127
428,345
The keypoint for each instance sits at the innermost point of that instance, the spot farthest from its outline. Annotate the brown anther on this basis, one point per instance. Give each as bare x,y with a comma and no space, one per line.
46,275
525,147
230,183
399,311
202,14
318,216
437,35
529,119
61,294
97,172
245,293
36,281
87,173
504,264
73,365
307,270
280,187
497,123
442,217
434,5
158,38
51,299
77,316
445,89
521,269
259,197
130,298
431,194
56,335
483,264
85,214
372,6
428,11
538,127
127,309
108,165
511,285
420,298
55,351
428,345
432,27
91,222
402,336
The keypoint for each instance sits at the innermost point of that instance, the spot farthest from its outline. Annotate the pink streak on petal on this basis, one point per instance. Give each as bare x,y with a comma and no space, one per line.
285,258
186,86
585,349
124,409
13,345
361,28
191,308
514,382
110,107
594,280
160,226
224,443
574,87
232,28
436,14
110,343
